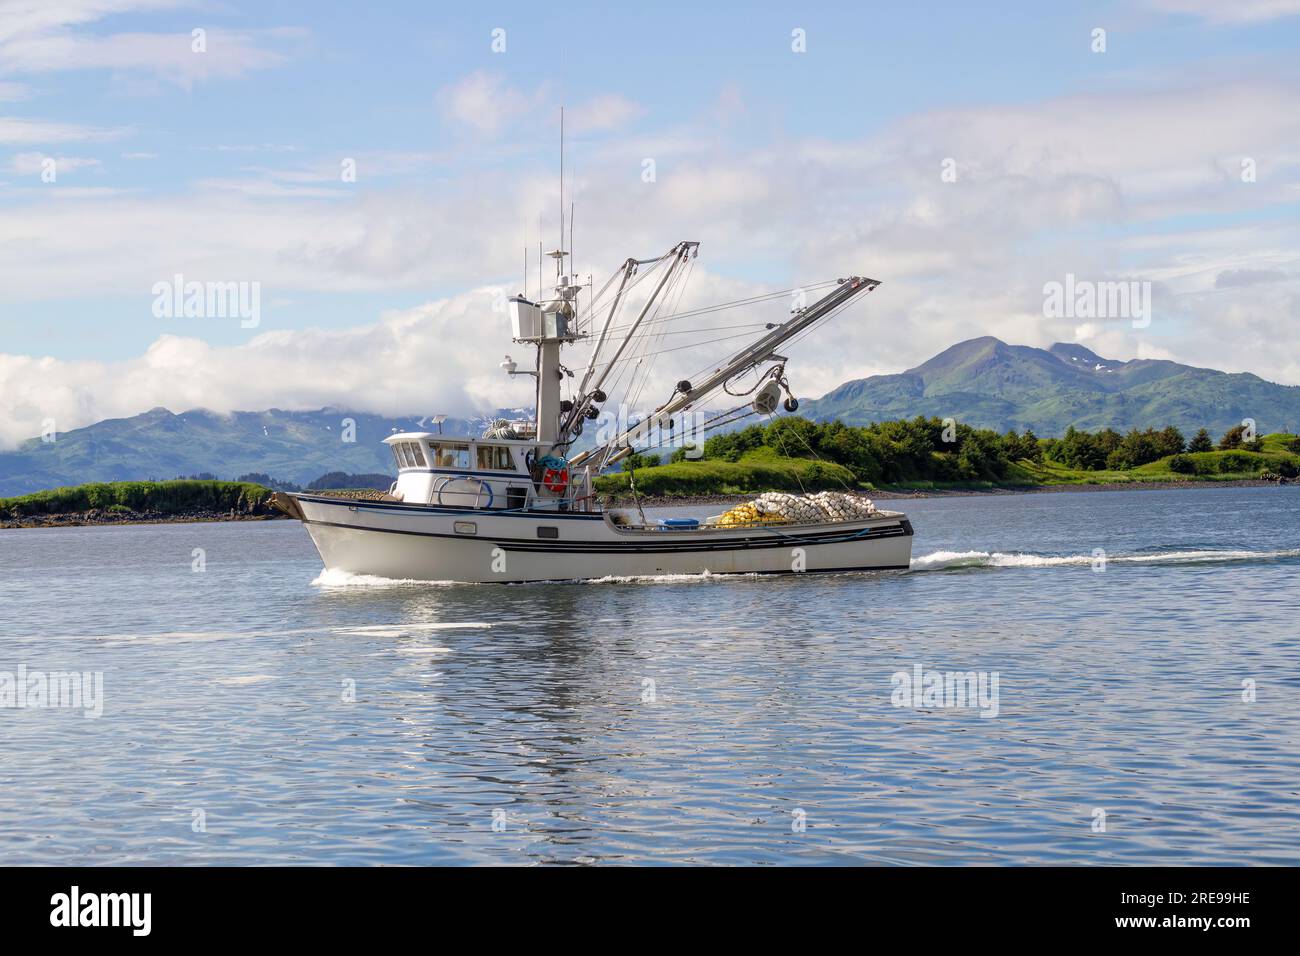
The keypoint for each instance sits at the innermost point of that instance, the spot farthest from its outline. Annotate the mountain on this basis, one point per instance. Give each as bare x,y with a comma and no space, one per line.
982,382
989,384
297,447
289,446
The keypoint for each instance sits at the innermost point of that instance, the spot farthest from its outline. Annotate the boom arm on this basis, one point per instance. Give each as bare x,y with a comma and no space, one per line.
741,362
679,253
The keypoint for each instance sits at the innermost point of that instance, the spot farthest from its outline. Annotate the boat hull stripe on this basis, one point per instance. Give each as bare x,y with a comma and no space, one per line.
635,547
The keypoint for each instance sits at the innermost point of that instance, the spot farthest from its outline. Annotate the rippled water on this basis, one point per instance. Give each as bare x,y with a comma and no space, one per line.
767,736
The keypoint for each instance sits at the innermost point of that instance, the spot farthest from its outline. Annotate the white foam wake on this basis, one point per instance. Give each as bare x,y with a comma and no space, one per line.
702,577
346,579
381,629
948,560
397,629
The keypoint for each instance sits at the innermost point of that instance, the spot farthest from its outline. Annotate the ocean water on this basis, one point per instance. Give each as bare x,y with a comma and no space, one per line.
254,711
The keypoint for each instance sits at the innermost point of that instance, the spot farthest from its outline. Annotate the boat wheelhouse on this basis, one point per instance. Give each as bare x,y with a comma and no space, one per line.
490,474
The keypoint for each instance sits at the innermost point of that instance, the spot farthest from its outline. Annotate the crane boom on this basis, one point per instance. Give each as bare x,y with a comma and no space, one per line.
741,362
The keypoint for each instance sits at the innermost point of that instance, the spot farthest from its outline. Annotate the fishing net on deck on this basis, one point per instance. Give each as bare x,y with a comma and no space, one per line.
778,507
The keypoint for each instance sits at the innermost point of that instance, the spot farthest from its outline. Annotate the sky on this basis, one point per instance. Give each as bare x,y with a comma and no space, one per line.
377,172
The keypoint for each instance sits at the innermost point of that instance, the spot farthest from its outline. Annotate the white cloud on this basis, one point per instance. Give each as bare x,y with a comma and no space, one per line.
486,103
166,56
17,130
29,164
249,148
1134,183
268,188
1230,11
38,36
322,178
36,17
286,369
607,112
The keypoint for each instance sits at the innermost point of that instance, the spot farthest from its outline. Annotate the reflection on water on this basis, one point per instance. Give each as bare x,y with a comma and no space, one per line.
254,716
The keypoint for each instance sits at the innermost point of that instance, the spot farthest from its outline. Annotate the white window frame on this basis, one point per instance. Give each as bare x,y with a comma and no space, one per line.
456,447
494,451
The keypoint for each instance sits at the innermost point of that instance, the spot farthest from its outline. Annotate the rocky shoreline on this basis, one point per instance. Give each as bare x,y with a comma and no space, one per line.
99,517
265,513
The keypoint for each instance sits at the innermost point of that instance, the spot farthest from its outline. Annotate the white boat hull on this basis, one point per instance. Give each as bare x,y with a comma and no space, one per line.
402,541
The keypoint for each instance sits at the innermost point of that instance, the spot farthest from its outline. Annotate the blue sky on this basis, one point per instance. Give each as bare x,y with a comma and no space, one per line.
223,165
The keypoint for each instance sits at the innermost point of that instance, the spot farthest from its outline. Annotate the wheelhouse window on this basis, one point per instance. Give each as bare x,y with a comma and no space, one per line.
408,454
449,455
495,458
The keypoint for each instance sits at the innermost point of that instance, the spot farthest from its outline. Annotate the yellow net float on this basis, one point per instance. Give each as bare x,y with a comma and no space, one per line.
778,507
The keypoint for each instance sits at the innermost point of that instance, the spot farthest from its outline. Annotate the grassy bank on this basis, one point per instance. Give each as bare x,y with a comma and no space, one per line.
763,470
756,472
1232,465
153,498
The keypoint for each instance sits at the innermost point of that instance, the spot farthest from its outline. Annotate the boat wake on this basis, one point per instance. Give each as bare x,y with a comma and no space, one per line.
328,579
397,629
958,560
935,561
703,577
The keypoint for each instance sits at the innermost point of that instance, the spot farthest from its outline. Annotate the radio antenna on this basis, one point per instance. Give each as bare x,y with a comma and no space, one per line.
561,246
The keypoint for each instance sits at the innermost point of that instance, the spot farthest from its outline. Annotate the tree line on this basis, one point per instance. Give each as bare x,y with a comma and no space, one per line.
181,496
935,449
917,449
1108,449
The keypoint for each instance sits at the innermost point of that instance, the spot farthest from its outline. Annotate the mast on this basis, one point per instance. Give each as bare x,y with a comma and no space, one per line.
561,245
744,360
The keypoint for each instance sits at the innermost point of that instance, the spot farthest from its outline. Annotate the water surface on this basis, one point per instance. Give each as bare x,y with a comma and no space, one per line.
709,720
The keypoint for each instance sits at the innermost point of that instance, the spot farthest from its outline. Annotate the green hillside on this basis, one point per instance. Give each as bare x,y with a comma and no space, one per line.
990,384
794,454
757,471
160,497
297,447
983,383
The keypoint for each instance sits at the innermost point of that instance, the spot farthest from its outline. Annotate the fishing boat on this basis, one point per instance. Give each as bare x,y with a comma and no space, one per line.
516,503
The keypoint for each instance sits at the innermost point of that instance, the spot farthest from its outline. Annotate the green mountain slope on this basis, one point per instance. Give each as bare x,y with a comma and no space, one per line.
290,446
987,383
983,382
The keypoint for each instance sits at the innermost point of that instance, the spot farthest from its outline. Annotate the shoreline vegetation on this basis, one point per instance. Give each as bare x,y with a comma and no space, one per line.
939,456
138,502
888,460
